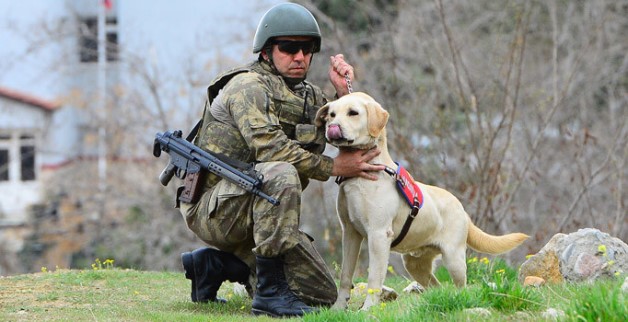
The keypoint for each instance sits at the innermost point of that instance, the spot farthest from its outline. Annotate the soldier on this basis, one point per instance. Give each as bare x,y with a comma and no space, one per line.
263,113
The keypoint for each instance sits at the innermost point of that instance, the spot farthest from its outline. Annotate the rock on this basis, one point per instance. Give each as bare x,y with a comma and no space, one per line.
624,286
533,281
414,287
553,314
545,265
240,290
388,294
585,255
479,311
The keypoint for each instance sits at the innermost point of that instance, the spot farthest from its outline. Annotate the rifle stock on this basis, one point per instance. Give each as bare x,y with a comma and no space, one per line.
185,157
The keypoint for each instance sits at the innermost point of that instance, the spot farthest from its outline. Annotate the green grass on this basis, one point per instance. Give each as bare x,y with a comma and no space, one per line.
106,293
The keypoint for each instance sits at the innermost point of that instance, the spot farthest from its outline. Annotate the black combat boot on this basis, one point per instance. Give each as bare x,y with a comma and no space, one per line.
273,296
207,268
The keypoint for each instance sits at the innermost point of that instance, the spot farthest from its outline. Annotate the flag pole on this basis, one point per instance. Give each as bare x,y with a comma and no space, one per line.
102,95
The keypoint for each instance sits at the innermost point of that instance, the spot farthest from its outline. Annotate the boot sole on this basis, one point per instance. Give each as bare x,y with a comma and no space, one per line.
188,266
260,312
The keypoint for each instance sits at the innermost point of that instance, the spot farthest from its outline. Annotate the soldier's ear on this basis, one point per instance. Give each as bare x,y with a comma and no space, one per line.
321,114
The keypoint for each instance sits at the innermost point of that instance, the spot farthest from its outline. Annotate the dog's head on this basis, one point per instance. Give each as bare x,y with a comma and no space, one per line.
354,120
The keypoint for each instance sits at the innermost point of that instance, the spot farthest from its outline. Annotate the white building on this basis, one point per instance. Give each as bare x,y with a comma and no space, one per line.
57,79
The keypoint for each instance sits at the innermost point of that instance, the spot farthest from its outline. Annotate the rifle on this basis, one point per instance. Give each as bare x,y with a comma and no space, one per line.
187,158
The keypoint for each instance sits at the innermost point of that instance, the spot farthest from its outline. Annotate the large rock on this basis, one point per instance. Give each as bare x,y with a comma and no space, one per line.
581,256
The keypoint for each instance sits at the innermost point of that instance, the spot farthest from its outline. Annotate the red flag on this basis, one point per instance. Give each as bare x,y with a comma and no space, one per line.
107,4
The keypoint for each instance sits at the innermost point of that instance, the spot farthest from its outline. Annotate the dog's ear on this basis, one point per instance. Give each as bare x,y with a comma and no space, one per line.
377,117
321,114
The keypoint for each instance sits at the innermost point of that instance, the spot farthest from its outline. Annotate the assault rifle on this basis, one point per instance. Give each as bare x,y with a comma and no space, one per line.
187,158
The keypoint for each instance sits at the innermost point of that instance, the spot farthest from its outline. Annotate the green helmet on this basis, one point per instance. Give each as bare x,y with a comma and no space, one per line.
286,19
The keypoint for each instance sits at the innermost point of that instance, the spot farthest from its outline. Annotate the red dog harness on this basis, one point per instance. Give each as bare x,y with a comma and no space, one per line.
410,190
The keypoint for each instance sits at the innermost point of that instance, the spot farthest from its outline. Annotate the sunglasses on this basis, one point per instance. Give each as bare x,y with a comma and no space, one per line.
292,47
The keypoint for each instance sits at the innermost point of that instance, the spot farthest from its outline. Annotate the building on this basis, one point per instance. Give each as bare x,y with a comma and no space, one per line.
69,68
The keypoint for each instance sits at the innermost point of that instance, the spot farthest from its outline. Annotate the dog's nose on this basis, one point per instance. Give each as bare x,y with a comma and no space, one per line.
334,132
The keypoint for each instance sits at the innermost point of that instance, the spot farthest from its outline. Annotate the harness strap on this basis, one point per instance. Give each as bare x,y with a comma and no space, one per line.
407,224
416,204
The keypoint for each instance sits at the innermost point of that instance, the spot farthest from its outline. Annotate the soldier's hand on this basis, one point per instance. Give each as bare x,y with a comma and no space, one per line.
354,163
338,67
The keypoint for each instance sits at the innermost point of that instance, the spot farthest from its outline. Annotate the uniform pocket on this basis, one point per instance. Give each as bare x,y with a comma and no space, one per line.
231,214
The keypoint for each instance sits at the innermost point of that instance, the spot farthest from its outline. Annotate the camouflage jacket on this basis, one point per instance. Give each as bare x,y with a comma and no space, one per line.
272,122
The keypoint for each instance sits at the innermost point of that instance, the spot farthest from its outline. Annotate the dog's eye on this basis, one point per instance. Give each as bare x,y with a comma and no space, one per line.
332,114
353,113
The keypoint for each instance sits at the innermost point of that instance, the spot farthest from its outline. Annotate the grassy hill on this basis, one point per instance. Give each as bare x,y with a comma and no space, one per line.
105,293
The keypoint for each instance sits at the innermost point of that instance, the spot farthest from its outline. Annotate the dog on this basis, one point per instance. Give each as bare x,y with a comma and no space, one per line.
377,211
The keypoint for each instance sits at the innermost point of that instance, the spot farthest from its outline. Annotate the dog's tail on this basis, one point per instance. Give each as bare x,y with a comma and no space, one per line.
489,244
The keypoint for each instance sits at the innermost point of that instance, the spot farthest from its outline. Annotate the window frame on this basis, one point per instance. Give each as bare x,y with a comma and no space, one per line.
88,39
14,143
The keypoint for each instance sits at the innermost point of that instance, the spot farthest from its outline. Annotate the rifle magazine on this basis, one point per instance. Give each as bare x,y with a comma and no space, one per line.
192,187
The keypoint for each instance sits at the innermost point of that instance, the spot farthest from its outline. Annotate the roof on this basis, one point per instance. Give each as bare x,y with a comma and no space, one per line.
28,99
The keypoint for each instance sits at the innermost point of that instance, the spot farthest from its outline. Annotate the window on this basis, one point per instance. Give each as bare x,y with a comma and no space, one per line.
4,164
88,42
17,158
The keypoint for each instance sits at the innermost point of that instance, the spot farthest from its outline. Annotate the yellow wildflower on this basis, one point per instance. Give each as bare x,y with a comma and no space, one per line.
44,269
484,261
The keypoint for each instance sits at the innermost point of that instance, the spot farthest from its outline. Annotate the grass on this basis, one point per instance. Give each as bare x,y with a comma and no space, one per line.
106,293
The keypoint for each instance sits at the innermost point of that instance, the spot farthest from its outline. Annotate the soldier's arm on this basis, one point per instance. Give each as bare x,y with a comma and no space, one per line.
254,113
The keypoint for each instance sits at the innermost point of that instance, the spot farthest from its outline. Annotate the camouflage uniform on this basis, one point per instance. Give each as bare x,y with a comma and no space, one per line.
270,126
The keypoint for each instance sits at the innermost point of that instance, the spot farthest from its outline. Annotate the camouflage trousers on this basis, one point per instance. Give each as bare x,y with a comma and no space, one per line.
232,220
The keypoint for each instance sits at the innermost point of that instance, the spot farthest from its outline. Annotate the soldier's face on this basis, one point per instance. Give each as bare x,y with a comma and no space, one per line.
292,55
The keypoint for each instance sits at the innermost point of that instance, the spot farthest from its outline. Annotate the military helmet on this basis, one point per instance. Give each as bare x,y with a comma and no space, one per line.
286,19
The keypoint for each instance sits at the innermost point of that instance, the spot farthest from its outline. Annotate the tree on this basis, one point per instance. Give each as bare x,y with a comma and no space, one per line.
516,107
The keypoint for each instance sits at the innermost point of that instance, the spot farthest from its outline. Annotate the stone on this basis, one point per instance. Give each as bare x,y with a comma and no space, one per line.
240,290
585,255
388,293
414,287
533,281
479,311
553,314
544,265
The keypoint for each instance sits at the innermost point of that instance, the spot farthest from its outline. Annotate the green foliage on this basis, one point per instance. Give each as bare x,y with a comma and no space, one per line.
604,301
113,294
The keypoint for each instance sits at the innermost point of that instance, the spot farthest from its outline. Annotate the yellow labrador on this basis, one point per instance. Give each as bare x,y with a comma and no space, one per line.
376,210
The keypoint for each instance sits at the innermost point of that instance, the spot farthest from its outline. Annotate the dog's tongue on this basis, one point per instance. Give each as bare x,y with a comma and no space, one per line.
334,132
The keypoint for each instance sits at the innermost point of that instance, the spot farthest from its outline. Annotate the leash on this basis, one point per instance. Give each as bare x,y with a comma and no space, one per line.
348,81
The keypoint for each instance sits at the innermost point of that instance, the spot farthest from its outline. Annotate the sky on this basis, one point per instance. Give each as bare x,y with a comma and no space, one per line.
166,33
